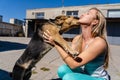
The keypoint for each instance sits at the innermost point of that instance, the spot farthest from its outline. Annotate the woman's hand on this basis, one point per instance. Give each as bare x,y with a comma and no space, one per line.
48,38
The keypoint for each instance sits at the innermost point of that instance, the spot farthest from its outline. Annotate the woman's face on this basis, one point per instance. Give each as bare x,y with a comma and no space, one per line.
88,17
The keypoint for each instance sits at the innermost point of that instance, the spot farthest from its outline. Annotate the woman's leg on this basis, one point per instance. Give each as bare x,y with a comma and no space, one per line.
65,69
66,73
79,76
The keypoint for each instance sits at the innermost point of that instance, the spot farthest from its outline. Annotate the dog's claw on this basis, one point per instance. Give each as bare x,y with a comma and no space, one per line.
74,55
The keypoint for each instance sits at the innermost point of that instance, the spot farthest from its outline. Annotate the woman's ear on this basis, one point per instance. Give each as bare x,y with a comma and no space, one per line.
95,22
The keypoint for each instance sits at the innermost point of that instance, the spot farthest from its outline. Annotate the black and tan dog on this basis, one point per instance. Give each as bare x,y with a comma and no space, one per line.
37,48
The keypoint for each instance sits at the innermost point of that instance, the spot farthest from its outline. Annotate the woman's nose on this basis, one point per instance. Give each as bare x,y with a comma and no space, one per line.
81,15
85,13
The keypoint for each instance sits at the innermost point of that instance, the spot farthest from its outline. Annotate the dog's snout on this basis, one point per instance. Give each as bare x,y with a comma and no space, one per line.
78,22
75,22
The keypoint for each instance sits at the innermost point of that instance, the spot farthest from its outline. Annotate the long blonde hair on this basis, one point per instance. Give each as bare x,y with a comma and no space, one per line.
99,30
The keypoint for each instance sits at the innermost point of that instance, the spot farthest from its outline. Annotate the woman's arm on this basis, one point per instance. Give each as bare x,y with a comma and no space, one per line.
94,49
65,56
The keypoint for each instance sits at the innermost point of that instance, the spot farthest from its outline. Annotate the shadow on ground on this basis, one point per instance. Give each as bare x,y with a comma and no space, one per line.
57,79
6,46
4,75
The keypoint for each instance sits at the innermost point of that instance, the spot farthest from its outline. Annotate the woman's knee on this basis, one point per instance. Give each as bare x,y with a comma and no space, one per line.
69,76
62,70
66,77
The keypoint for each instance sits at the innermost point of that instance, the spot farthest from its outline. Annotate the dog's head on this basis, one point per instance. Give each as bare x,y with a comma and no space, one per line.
66,22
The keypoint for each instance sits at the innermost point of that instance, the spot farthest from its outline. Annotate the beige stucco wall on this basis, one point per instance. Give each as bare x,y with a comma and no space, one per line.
52,12
9,29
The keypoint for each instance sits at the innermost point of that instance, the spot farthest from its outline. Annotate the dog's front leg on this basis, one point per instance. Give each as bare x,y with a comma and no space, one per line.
65,46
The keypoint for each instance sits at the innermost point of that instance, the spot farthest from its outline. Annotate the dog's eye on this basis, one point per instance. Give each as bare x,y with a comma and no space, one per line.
58,17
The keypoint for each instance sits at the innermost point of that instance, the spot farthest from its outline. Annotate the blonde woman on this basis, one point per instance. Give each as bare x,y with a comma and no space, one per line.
92,47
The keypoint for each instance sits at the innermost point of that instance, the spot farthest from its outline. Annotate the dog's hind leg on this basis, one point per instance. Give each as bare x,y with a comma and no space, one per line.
18,73
22,71
27,74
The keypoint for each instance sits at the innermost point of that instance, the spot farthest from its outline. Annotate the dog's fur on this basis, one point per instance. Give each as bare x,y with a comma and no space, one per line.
37,48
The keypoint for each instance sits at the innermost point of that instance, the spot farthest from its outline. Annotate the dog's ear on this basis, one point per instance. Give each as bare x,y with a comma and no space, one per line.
76,17
52,20
58,17
63,17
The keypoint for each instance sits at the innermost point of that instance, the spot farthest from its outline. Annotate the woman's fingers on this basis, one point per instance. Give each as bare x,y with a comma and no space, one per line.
48,32
47,36
47,41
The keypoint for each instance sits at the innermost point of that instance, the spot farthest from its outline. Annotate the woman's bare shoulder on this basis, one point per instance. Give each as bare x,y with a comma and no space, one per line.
99,41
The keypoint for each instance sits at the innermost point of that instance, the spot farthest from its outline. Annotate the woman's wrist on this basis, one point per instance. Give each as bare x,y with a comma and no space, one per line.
63,54
64,58
55,45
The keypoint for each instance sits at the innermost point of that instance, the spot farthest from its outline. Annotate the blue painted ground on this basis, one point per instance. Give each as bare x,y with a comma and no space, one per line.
6,46
4,75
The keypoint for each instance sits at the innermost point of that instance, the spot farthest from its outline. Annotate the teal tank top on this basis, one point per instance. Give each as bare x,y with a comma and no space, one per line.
91,66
